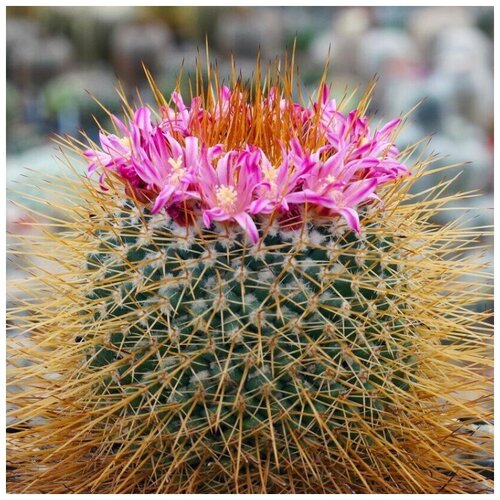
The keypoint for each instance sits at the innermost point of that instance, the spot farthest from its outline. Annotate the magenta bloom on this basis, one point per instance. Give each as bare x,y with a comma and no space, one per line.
118,153
279,182
180,119
170,163
227,191
149,159
328,184
168,168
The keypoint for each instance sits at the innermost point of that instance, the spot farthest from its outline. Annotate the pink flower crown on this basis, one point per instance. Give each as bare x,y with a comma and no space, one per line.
169,163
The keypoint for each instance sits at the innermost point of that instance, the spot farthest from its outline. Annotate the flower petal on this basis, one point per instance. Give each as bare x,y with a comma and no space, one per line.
191,152
261,205
162,199
215,214
359,191
311,197
351,217
142,119
120,125
388,128
247,223
147,171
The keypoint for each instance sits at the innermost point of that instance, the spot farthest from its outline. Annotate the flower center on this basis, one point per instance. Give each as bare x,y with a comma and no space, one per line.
176,164
338,198
126,143
330,179
270,174
177,169
226,197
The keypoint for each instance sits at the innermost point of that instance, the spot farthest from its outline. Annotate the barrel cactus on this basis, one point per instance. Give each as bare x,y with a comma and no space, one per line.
250,302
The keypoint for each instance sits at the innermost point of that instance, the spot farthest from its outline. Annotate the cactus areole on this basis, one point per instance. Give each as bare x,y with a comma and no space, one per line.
262,308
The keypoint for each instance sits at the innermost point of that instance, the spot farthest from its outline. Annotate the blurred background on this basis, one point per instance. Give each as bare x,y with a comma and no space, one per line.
57,56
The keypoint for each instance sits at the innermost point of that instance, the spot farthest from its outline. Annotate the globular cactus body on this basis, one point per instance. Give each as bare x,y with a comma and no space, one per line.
310,353
240,332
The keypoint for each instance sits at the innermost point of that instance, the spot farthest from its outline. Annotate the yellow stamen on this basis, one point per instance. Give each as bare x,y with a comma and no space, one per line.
176,164
126,142
177,168
270,174
226,197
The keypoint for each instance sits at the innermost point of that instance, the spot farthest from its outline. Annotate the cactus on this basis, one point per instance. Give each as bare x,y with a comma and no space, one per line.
199,341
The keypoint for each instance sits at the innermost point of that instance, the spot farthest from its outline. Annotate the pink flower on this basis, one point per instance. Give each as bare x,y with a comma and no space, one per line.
227,190
328,184
117,152
278,182
168,168
354,130
115,155
168,164
180,119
